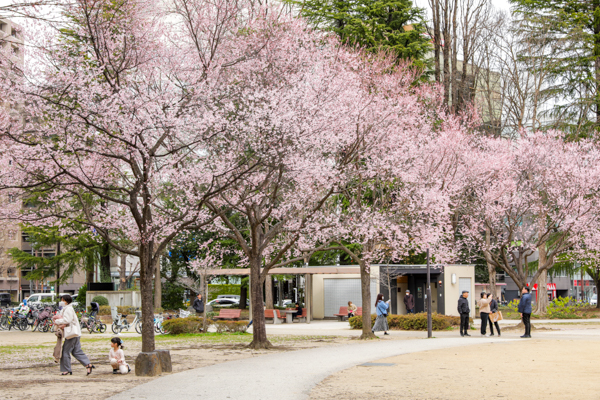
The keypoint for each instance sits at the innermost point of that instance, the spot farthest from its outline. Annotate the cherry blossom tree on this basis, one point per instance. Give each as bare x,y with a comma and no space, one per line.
536,195
124,123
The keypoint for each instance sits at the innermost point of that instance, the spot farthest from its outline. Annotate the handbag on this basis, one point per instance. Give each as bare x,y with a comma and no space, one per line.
497,316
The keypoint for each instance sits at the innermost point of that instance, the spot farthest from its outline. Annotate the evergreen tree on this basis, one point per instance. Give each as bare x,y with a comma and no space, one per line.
394,25
572,27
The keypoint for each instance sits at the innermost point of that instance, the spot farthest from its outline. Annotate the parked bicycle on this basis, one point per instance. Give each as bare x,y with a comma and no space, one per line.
120,322
92,324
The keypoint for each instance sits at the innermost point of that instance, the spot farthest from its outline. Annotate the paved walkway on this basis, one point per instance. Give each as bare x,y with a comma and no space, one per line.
281,376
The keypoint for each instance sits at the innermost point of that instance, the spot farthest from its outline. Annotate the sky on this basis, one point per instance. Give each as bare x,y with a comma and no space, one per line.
499,4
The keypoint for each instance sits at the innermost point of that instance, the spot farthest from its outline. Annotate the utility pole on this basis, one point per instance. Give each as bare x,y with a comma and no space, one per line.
429,335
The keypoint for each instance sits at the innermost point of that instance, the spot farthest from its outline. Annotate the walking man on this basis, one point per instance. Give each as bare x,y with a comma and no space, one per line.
464,310
409,302
525,310
198,305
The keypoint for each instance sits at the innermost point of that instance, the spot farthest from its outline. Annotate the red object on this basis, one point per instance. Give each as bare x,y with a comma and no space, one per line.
551,287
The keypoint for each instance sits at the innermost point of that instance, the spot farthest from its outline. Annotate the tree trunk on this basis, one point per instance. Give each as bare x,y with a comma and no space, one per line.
268,292
259,340
157,287
123,272
365,288
58,273
243,296
491,268
542,290
105,264
147,269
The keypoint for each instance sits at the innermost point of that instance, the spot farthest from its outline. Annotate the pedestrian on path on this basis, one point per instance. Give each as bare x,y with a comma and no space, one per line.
351,309
409,302
198,305
464,310
494,310
484,311
381,307
72,334
525,310
116,357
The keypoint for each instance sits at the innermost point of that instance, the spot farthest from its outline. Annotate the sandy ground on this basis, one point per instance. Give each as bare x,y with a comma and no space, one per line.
28,372
534,369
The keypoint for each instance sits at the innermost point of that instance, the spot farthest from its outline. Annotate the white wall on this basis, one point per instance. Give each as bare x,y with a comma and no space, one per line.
117,298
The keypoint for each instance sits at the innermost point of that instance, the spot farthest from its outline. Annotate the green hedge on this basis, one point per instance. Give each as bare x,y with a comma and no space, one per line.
411,322
178,326
215,290
101,300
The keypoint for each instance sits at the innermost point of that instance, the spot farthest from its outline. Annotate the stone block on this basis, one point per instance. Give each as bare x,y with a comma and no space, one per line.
165,360
148,364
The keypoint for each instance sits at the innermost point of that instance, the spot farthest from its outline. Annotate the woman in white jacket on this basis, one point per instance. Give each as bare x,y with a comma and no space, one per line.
72,343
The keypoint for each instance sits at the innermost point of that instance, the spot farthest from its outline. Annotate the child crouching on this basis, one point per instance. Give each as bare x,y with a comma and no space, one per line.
117,357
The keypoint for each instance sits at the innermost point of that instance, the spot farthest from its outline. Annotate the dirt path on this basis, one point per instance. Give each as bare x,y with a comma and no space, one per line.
27,372
533,369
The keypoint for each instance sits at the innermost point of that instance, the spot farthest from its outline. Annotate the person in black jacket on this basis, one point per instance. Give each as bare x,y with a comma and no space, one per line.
463,311
494,309
198,304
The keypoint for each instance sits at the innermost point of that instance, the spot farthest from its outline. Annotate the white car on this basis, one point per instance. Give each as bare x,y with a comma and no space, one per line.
594,300
45,298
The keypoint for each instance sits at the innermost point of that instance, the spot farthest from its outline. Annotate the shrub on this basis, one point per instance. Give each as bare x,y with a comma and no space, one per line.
564,308
101,300
231,326
81,295
411,322
178,326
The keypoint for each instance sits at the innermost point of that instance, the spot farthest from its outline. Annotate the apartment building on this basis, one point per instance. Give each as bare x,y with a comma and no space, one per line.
12,279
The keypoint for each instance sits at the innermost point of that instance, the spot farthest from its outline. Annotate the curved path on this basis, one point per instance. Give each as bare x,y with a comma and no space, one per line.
280,376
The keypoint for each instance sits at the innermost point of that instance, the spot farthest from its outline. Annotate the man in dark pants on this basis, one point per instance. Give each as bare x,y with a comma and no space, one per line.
409,302
525,310
198,305
463,311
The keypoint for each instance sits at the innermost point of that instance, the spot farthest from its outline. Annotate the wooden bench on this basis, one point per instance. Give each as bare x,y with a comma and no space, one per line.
228,313
343,313
275,316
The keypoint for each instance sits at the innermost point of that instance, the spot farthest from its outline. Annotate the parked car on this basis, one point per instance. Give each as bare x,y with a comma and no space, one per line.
4,299
224,303
229,296
594,300
39,298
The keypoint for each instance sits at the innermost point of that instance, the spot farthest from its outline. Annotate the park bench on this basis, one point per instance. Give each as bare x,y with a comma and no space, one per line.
228,313
302,318
275,316
343,313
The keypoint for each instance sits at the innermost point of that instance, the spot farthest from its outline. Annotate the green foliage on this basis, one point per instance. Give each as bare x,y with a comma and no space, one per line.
81,294
101,300
372,24
571,28
179,326
231,326
411,322
172,296
77,250
565,308
215,290
513,305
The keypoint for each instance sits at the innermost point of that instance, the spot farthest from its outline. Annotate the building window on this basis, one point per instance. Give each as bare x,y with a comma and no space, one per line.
13,32
11,197
3,27
12,233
